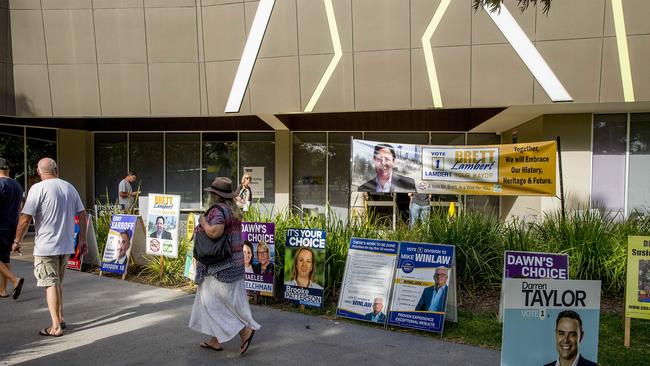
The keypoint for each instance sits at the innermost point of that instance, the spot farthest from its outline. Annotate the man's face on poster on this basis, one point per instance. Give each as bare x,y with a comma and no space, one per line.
124,244
160,225
384,163
568,335
440,277
377,305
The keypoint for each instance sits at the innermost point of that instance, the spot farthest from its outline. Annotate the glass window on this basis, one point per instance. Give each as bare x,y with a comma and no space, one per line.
338,177
182,169
447,139
608,162
309,153
483,139
146,158
639,174
219,158
110,165
257,149
12,148
421,138
41,143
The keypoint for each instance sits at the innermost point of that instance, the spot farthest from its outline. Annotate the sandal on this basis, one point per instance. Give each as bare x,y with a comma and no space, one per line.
207,345
46,333
63,325
245,344
18,288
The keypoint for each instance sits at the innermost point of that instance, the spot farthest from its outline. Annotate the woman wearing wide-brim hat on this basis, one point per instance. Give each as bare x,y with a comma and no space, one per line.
221,307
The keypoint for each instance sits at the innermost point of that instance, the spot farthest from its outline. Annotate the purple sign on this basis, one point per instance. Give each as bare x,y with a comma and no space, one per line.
259,256
535,265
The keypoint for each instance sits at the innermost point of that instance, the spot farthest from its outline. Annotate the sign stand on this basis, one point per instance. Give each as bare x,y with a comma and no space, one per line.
628,325
137,240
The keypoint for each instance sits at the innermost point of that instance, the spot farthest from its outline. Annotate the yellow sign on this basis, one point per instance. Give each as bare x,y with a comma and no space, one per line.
637,290
191,224
514,169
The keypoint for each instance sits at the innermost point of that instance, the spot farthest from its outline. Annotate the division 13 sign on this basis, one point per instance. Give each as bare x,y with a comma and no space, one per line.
304,269
118,243
367,280
421,286
546,321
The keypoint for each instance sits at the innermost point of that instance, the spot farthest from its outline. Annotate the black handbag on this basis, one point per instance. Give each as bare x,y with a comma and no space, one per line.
210,251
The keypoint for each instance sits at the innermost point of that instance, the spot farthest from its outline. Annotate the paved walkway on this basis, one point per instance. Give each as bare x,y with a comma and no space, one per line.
115,322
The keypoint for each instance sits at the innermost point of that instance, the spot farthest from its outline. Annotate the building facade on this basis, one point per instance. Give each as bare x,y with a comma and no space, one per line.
106,86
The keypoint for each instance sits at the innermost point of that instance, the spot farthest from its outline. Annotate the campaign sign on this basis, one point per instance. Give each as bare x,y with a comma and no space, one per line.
162,225
547,320
304,269
259,256
189,271
637,291
367,279
118,243
535,265
421,286
74,261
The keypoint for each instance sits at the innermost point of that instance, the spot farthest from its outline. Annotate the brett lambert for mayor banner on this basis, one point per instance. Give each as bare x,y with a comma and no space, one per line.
509,169
637,291
421,286
546,321
367,279
162,224
304,266
118,243
259,256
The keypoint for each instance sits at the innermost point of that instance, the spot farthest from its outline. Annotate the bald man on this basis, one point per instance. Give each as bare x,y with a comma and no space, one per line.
52,204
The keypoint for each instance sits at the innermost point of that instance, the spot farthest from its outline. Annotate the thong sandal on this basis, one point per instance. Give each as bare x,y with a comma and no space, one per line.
46,333
208,346
63,325
18,288
4,296
247,343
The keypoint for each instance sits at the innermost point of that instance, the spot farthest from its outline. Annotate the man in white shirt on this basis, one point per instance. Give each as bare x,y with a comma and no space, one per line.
125,191
52,204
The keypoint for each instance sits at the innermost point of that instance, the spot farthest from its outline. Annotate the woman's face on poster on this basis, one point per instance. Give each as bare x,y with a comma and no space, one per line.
263,256
305,263
248,256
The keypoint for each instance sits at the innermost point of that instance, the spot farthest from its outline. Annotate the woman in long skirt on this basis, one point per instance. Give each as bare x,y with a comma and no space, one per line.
221,307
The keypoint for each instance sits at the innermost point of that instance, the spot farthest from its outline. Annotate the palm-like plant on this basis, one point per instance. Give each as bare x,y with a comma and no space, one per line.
522,4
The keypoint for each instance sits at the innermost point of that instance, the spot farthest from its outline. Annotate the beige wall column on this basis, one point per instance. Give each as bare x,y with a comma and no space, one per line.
282,170
74,161
575,134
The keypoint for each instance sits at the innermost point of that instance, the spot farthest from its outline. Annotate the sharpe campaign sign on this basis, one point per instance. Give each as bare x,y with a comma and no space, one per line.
546,321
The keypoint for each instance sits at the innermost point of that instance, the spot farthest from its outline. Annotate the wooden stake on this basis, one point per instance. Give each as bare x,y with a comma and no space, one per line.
628,325
162,266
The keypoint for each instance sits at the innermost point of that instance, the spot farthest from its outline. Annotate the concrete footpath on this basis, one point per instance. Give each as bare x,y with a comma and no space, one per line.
115,322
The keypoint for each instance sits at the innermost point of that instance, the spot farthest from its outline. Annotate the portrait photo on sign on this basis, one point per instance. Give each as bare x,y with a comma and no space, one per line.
383,167
644,281
161,227
304,267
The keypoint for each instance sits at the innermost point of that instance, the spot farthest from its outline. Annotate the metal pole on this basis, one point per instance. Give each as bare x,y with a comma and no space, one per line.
559,154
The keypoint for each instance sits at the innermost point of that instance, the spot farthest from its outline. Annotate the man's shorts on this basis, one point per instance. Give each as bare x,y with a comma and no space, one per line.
6,241
49,270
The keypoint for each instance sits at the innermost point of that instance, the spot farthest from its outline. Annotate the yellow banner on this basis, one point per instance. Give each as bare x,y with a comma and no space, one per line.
637,290
524,169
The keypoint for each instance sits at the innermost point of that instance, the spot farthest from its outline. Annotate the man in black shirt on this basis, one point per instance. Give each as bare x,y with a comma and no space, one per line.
10,195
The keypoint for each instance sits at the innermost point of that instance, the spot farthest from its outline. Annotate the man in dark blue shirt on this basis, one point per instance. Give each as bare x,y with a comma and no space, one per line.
10,195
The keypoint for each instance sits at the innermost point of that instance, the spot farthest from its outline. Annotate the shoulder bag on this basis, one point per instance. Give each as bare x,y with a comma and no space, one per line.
210,251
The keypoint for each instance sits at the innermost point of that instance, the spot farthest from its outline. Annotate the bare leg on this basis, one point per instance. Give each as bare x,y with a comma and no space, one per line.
5,273
53,305
60,303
